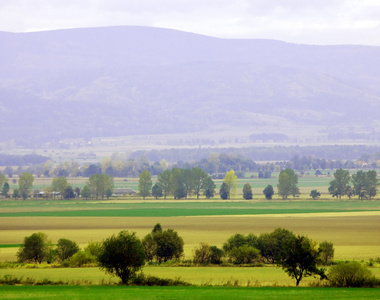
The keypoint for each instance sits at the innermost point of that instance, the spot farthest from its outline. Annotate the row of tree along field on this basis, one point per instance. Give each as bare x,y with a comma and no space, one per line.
215,164
123,255
185,183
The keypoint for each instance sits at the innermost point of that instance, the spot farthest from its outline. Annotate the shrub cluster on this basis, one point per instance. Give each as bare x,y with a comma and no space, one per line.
125,254
37,248
162,245
352,274
206,254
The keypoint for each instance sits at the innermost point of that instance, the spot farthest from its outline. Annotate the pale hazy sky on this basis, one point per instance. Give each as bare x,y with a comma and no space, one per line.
298,21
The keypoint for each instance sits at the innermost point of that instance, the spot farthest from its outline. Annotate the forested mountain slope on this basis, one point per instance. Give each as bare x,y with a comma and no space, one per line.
138,80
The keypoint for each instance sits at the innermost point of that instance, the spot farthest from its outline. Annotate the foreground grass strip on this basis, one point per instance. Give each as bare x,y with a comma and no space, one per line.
121,292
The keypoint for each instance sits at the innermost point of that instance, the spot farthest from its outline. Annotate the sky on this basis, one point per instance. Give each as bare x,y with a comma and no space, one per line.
319,22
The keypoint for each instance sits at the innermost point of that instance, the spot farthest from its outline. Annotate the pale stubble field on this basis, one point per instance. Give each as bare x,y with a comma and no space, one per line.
355,235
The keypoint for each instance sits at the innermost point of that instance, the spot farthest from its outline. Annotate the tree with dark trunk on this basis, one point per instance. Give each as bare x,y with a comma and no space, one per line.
122,255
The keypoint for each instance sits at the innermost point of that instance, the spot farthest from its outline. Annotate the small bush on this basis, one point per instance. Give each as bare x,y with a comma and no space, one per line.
11,265
202,254
352,274
142,280
94,248
10,280
80,259
216,255
244,255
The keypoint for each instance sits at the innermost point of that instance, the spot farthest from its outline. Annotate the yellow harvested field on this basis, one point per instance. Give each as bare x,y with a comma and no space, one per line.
354,235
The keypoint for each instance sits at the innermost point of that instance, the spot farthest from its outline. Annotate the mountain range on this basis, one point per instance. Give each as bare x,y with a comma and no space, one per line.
120,81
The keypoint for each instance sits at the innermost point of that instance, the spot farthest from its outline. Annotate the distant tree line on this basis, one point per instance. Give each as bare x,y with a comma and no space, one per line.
369,154
97,187
364,184
215,164
179,183
22,160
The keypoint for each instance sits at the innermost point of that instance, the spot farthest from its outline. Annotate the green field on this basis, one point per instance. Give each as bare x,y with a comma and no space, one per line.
175,209
120,292
352,226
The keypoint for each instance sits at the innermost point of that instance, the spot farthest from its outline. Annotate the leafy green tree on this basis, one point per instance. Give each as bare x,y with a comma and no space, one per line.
327,251
169,245
163,245
150,247
92,170
244,254
68,193
16,193
35,248
108,193
188,181
287,183
85,192
268,192
247,192
208,187
77,192
157,191
99,183
237,240
241,249
205,254
164,179
122,255
5,190
271,244
230,179
178,183
373,184
349,192
59,184
3,179
145,184
216,255
299,258
25,184
338,187
365,184
223,192
359,181
66,248
157,228
199,177
315,194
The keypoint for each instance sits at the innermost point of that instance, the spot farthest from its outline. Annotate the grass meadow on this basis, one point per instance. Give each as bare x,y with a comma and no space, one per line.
123,292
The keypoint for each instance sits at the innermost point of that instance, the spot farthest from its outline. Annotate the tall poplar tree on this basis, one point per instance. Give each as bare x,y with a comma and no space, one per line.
230,179
145,184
